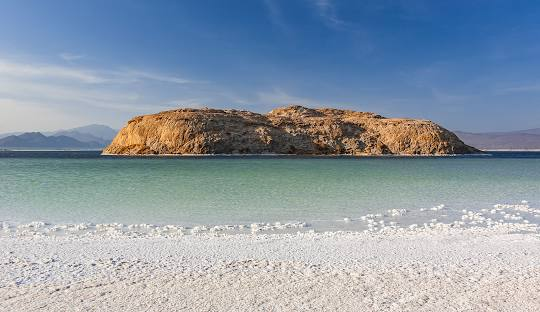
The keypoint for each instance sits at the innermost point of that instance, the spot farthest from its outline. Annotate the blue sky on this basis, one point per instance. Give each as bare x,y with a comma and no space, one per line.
469,65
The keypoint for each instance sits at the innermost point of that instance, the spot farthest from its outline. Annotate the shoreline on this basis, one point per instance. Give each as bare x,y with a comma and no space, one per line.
513,150
437,269
482,153
512,217
293,155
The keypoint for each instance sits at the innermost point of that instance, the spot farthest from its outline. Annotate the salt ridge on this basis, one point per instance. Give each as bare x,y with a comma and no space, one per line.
512,217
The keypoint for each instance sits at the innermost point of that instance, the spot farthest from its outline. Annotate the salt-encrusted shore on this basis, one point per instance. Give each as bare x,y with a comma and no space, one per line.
435,269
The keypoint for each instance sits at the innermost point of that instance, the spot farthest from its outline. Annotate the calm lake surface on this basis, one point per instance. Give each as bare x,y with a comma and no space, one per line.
71,187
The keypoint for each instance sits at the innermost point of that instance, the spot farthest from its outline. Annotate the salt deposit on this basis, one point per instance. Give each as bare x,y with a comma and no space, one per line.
486,259
429,269
510,215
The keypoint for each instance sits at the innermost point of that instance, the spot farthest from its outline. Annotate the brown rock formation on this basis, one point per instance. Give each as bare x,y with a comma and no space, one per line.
288,130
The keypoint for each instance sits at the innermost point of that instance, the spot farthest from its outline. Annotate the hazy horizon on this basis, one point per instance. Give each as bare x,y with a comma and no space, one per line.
469,66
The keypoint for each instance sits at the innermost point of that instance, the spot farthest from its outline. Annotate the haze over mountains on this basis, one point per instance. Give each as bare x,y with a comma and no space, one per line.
513,140
91,133
86,137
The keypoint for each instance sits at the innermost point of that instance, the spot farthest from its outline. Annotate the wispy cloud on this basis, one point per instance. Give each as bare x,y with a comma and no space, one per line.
54,92
84,75
533,87
19,70
276,15
70,57
327,11
136,75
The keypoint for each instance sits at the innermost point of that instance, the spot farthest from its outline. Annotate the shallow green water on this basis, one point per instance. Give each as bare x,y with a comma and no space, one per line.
84,187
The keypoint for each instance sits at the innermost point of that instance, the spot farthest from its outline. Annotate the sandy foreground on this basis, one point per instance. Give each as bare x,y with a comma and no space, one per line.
451,270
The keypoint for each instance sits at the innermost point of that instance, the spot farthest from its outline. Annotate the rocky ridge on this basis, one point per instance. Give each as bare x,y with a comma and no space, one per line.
287,130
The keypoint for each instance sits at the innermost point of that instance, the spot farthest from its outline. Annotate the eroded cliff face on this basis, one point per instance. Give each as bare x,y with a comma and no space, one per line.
288,130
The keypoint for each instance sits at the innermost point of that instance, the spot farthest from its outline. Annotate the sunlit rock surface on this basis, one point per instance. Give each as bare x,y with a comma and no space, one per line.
289,130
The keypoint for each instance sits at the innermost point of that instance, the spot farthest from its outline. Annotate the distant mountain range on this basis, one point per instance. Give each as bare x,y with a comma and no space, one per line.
91,133
513,140
87,137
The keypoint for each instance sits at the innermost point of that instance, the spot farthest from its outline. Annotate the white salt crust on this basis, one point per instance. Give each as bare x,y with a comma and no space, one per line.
488,266
451,269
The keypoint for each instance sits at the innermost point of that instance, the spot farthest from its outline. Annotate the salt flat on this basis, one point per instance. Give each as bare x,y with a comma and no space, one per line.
475,269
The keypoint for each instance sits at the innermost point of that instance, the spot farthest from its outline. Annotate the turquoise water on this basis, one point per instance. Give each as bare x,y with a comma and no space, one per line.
64,187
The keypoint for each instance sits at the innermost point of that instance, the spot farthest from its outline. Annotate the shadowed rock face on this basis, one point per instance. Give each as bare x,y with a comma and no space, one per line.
288,130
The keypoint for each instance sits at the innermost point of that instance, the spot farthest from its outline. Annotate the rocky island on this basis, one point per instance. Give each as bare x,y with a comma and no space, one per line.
288,130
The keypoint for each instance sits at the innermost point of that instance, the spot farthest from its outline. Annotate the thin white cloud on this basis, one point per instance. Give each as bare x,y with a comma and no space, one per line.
13,69
324,9
62,93
276,16
328,13
84,75
70,57
534,87
53,96
138,75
